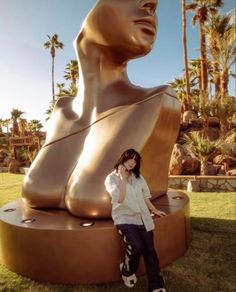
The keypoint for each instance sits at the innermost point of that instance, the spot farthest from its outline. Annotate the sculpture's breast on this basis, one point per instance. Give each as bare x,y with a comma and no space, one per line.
150,126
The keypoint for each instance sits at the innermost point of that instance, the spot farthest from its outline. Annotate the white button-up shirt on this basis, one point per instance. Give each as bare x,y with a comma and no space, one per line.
133,210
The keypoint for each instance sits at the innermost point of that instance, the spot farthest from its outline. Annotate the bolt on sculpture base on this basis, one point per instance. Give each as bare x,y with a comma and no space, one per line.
54,246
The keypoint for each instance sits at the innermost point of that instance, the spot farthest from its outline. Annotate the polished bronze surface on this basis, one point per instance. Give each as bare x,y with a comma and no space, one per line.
88,133
55,247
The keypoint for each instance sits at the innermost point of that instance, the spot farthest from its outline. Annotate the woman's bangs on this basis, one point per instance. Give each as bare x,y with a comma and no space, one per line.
135,156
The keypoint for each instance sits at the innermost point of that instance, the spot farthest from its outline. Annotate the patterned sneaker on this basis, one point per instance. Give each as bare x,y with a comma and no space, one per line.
129,281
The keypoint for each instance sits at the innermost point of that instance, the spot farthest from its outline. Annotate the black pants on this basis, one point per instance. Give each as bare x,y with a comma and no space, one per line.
140,242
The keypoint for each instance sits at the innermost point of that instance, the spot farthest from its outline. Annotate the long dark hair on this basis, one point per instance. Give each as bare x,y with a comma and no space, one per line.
130,154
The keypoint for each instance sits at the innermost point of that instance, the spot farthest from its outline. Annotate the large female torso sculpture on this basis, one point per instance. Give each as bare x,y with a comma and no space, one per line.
87,134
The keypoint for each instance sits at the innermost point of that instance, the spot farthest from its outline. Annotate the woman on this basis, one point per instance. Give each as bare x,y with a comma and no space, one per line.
130,212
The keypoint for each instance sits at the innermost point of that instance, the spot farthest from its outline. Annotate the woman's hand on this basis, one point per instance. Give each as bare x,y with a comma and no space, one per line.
121,171
122,185
159,213
153,209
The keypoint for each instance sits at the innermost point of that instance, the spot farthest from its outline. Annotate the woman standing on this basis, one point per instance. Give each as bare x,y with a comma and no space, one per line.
131,208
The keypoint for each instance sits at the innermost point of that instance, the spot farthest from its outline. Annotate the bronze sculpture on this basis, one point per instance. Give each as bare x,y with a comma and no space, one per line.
86,135
110,114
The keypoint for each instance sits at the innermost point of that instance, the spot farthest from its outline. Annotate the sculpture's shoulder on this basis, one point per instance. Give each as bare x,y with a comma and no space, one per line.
64,103
163,96
63,111
62,120
162,89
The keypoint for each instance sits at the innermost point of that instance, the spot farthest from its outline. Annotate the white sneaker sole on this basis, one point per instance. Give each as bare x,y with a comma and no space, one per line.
129,281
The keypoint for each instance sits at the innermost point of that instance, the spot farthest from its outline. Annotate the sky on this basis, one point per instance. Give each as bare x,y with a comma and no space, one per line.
25,66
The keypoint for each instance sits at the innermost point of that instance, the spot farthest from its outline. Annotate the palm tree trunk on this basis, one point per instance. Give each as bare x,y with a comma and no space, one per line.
200,81
204,73
73,85
53,89
216,73
224,83
15,128
187,103
203,166
73,82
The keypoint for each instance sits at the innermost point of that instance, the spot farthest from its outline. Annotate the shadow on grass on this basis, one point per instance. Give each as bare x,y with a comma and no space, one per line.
213,225
207,266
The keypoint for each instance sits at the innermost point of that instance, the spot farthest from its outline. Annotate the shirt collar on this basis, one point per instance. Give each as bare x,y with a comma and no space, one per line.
116,173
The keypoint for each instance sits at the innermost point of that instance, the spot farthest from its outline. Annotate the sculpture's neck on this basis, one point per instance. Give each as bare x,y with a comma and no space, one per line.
100,71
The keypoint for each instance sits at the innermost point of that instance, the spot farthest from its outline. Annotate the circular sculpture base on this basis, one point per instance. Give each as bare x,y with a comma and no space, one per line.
54,246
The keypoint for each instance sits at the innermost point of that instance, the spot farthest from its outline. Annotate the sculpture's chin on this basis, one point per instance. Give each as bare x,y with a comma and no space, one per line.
138,52
140,48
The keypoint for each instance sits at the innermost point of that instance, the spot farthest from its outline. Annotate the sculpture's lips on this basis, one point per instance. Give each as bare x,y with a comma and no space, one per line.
148,23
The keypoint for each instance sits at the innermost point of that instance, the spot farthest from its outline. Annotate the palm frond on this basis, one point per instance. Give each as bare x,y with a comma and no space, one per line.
46,45
228,143
217,3
213,10
191,6
199,145
195,20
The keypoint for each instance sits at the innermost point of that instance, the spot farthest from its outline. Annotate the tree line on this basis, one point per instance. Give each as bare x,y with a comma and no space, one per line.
203,88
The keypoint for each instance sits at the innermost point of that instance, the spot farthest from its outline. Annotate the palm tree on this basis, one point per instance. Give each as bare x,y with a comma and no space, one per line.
202,9
228,143
212,29
62,92
187,101
221,42
72,73
225,110
53,44
227,46
61,89
195,72
35,126
22,126
15,115
179,86
49,111
71,91
201,147
6,123
1,122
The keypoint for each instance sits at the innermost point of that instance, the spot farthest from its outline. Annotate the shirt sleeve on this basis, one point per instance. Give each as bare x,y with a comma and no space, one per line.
145,188
112,188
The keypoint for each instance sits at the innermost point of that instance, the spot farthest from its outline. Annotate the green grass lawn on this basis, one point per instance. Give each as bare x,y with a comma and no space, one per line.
209,265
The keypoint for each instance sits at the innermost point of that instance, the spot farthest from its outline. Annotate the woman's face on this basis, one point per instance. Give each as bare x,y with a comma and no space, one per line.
127,26
130,164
